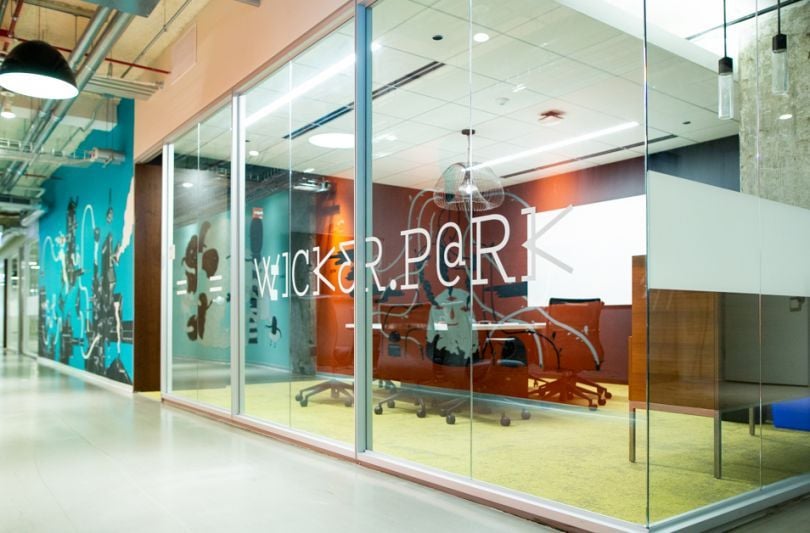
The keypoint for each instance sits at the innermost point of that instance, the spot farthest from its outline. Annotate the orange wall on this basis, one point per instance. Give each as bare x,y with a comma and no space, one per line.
234,40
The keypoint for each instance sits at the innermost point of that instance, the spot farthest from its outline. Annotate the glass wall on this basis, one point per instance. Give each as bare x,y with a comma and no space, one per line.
12,314
585,262
31,333
200,271
508,178
728,327
3,267
299,208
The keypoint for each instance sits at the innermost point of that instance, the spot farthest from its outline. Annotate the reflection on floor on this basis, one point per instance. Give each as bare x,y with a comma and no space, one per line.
563,453
75,457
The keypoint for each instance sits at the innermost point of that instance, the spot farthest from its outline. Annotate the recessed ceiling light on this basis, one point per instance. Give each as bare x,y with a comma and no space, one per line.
557,145
308,170
481,37
786,116
375,46
519,87
253,153
333,140
187,184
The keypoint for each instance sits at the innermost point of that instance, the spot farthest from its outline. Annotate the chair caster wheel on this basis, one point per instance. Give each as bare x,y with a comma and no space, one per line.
608,395
421,413
348,403
505,421
391,404
303,402
591,407
450,419
525,414
299,397
378,410
601,401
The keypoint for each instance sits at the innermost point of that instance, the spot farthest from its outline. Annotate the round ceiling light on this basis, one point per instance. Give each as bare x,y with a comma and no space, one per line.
481,37
333,140
37,69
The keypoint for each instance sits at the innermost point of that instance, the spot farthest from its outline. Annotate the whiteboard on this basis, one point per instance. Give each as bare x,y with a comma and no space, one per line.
598,242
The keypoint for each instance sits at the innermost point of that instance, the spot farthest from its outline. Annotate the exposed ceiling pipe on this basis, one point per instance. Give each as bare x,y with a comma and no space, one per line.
3,8
112,32
15,16
131,65
160,32
84,43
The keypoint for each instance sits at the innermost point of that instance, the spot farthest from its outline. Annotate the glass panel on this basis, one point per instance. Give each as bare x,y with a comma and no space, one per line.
200,291
557,109
727,330
3,264
32,302
299,212
13,305
775,162
423,351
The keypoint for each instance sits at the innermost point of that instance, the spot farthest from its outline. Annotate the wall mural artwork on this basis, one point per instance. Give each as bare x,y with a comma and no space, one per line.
85,312
86,293
268,322
201,273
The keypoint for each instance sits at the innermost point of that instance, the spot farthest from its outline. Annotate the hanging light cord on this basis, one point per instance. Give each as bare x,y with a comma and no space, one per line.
725,39
778,16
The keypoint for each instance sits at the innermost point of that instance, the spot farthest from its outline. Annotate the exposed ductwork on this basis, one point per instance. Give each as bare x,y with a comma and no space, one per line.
53,112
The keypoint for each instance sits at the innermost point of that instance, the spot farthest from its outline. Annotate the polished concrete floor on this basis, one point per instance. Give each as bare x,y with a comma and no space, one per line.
75,457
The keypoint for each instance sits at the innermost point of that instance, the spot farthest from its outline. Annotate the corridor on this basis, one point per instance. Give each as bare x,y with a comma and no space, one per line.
76,457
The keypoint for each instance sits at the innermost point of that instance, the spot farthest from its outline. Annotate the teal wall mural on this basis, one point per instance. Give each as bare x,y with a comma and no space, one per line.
201,274
86,247
268,322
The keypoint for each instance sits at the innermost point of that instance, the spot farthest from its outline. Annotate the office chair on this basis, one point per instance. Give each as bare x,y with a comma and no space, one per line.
400,356
499,376
334,350
574,352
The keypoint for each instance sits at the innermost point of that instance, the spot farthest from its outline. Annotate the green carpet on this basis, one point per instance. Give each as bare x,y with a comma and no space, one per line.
562,453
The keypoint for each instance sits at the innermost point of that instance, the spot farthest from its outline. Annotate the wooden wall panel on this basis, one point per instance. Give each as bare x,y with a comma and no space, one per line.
147,277
684,342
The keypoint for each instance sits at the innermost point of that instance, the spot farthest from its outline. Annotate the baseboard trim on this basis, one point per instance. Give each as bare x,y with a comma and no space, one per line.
93,379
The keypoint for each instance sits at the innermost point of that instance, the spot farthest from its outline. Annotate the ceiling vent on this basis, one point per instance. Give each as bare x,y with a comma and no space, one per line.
552,117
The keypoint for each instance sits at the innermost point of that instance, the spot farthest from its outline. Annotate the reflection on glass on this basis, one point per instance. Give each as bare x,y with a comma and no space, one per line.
33,304
299,226
12,315
200,290
508,203
727,332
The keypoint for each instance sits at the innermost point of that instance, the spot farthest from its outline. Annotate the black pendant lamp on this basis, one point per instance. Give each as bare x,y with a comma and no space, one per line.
37,69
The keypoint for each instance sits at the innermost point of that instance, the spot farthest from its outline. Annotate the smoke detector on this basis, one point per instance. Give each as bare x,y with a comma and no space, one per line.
552,117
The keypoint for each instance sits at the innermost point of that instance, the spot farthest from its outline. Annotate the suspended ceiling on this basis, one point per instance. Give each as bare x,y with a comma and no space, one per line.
562,55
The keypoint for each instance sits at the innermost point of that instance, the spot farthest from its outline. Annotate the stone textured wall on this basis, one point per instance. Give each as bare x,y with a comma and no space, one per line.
783,172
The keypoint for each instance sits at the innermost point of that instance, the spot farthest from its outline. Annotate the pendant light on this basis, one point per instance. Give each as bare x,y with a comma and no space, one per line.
37,69
725,79
468,186
779,67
